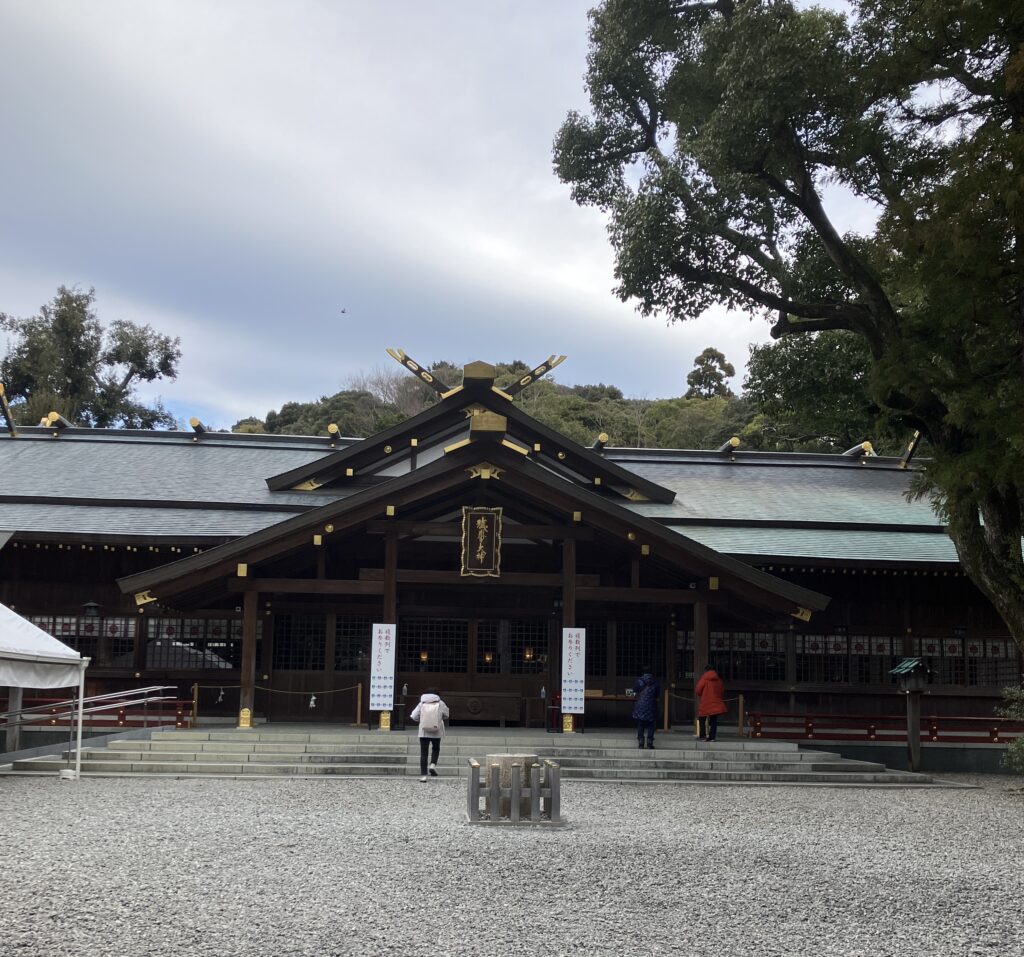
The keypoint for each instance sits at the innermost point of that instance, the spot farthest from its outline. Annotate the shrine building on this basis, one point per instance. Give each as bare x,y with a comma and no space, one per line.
254,566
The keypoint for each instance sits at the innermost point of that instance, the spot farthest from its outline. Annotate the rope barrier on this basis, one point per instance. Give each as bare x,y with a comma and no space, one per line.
278,691
306,693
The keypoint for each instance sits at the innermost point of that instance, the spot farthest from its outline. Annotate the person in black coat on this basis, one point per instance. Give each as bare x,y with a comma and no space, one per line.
645,711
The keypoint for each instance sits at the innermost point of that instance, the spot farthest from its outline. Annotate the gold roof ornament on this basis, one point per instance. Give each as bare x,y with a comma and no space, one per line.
476,375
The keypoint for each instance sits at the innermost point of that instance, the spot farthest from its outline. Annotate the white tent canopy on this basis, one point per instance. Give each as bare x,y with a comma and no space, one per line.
30,658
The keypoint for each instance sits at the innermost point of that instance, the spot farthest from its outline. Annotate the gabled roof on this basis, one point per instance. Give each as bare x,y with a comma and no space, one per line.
476,462
477,405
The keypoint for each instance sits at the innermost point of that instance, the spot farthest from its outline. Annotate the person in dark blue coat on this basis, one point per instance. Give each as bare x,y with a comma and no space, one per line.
645,711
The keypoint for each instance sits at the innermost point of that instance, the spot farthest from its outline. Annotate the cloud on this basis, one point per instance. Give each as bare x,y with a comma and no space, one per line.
237,173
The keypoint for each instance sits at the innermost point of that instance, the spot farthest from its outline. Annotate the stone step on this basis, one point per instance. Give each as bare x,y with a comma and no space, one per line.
691,753
496,742
449,761
174,744
678,757
247,769
248,757
222,768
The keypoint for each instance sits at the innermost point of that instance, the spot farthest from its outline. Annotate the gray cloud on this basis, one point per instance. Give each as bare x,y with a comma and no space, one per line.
237,173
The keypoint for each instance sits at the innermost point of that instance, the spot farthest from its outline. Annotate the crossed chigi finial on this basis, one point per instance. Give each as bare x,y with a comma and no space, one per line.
443,390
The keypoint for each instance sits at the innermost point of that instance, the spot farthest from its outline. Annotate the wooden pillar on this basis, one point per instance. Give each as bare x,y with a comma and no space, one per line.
390,610
569,583
701,639
141,643
791,657
701,646
247,695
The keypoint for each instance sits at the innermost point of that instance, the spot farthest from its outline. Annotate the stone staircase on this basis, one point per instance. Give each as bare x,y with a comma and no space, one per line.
607,756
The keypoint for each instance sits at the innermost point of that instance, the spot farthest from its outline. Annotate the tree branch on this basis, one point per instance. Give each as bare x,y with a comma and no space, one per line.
821,316
808,202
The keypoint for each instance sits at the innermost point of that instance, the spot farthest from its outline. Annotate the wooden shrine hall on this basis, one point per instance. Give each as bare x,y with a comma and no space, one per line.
254,566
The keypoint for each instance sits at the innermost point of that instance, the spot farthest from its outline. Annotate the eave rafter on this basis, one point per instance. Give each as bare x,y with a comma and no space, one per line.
438,487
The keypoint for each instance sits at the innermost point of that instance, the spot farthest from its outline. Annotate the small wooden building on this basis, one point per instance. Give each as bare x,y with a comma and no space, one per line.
253,567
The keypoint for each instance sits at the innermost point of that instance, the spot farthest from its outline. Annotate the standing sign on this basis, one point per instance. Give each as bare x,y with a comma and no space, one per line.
574,660
382,668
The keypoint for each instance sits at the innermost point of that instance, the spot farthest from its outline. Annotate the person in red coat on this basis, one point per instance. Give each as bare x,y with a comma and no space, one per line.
711,692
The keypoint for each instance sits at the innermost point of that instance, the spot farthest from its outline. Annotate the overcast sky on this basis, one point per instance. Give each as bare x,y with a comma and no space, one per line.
238,172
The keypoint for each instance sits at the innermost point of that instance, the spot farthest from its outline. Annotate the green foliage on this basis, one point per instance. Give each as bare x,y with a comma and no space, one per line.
581,412
710,370
813,396
63,360
1013,707
714,130
355,413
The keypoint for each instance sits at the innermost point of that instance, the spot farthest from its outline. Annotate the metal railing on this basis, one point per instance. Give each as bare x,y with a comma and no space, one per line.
889,727
65,710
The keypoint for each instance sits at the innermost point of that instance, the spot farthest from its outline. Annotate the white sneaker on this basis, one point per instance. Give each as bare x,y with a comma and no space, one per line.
424,778
433,771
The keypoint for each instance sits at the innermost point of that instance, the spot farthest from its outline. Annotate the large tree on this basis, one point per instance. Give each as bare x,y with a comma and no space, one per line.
812,395
708,378
722,137
63,360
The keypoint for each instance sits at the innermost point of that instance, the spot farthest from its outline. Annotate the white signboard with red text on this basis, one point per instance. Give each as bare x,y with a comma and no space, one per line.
574,661
382,668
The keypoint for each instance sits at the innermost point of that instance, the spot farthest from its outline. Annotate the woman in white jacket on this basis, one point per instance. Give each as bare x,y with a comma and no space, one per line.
430,712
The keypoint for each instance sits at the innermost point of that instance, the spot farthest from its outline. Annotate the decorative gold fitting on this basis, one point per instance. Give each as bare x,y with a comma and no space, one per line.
488,421
318,540
143,598
631,536
328,529
561,456
577,516
387,449
242,570
485,470
713,583
645,549
390,511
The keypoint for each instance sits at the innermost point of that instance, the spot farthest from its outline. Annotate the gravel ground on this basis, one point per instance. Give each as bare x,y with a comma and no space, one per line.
122,866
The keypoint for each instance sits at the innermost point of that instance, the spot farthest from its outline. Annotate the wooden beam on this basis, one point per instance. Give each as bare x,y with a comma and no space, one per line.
410,576
657,596
454,530
306,586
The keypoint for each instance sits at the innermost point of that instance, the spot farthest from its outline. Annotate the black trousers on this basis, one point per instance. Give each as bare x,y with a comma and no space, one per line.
432,744
641,728
708,727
